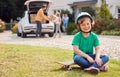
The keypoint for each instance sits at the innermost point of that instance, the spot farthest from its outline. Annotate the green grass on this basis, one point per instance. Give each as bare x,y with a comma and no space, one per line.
35,61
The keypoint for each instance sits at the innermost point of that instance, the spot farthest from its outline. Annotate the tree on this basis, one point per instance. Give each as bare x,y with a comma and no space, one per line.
103,18
11,9
103,12
90,10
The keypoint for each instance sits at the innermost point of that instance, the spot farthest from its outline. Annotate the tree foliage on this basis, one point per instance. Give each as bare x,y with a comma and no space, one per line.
103,18
104,12
90,10
11,9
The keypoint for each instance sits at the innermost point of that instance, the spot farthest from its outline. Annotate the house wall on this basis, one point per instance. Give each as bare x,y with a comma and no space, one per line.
113,6
62,4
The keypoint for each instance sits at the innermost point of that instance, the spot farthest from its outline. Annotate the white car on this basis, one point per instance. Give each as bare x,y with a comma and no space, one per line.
27,24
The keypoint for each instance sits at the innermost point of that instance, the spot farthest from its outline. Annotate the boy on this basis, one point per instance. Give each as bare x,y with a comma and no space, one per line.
84,43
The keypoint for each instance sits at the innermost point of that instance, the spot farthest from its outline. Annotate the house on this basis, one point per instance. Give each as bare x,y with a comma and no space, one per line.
76,5
114,6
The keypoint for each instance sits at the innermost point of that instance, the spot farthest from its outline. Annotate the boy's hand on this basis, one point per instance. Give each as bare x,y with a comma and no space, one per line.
90,60
98,61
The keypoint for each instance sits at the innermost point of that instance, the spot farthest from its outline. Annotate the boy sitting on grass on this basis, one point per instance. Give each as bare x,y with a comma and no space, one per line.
85,43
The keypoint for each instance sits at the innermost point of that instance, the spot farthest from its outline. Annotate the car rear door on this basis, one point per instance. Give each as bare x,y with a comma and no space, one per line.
34,5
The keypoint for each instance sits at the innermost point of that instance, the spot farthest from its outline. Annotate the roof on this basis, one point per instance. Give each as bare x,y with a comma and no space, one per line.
83,2
28,1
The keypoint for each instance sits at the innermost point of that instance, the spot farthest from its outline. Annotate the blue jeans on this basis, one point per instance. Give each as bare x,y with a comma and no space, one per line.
83,62
38,30
65,25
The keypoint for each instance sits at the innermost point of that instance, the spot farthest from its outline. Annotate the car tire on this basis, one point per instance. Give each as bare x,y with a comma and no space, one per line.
51,34
23,35
18,34
42,34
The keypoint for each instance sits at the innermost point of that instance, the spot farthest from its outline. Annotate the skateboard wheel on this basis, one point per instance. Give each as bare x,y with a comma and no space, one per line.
64,66
69,68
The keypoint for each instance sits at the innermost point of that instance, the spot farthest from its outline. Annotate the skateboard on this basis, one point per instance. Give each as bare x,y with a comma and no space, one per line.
66,65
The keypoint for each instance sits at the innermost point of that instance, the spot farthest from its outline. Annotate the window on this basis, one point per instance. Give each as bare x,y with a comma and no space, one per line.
119,12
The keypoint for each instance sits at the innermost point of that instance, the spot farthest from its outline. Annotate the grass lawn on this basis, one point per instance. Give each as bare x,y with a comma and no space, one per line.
35,61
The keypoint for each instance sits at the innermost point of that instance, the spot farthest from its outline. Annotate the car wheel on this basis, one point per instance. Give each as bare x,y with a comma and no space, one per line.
18,34
51,34
23,35
42,34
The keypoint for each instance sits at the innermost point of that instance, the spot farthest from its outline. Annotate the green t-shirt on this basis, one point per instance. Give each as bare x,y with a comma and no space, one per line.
86,44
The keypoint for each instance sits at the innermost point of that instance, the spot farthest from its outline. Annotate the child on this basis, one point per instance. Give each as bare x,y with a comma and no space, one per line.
84,43
57,23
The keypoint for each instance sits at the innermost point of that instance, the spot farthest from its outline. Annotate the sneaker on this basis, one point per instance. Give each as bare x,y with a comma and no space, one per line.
92,70
104,68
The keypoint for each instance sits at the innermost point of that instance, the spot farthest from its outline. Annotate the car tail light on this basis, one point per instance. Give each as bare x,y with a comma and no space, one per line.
28,27
49,26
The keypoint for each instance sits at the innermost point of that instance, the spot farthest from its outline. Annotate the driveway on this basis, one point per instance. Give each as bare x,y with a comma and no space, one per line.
110,45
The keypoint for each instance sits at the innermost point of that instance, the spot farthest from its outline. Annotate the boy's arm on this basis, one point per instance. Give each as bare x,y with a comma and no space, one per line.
79,52
98,53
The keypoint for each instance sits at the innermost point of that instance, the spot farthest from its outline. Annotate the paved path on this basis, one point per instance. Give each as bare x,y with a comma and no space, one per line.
109,44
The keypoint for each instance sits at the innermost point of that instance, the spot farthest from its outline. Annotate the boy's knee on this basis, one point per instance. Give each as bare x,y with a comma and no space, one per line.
106,57
77,58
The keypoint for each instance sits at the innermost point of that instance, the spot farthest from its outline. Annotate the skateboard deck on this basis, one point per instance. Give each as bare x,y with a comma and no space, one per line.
66,65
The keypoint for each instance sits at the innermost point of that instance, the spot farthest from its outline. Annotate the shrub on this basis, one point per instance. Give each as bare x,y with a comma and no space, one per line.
103,19
2,26
14,28
75,31
116,24
70,28
112,32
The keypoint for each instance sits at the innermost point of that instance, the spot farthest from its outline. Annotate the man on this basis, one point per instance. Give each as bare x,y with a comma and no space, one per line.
41,18
65,21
